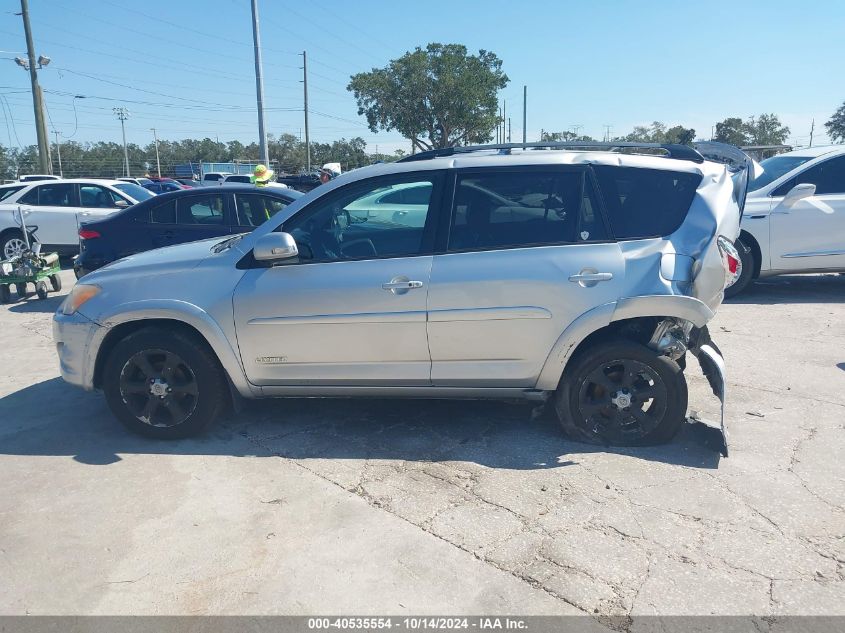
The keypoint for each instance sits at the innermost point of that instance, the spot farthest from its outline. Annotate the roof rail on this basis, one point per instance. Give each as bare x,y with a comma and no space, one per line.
673,150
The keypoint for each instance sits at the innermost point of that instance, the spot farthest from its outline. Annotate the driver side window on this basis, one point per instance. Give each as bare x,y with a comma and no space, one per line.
361,221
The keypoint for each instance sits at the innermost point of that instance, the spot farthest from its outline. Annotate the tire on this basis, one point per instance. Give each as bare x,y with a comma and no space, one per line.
11,244
746,257
598,383
20,290
41,289
56,282
164,384
5,294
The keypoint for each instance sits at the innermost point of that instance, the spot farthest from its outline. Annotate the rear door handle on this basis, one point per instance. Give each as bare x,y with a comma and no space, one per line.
588,278
402,285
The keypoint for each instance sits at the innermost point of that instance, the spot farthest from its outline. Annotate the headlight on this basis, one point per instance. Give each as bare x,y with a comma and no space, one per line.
78,296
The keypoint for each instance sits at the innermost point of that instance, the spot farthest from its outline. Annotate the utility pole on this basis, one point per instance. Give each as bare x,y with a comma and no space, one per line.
158,162
305,100
812,128
37,97
123,114
499,127
509,129
524,113
259,85
59,153
504,118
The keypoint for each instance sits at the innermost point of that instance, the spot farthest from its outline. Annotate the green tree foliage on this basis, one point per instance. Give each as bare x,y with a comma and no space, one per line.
765,129
105,160
732,131
566,137
439,96
657,132
836,125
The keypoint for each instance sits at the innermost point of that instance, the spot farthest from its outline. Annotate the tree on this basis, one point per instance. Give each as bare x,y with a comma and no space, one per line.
836,125
438,96
732,131
766,129
680,135
658,133
566,137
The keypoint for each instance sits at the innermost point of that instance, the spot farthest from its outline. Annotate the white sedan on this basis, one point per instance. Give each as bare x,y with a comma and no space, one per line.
57,207
794,217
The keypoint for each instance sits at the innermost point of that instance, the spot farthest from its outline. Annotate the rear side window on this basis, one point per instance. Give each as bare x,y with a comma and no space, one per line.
516,209
645,202
5,192
52,195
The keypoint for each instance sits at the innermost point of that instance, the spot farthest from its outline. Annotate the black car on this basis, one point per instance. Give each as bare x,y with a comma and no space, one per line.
174,218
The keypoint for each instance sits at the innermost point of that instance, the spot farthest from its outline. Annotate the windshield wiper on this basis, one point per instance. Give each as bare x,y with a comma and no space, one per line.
227,243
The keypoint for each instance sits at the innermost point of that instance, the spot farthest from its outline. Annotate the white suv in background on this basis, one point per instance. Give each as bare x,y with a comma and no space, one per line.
794,218
57,207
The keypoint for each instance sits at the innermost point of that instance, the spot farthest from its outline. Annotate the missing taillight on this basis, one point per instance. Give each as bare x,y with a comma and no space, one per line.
730,260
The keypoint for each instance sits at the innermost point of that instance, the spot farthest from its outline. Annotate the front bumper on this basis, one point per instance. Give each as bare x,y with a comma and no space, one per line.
77,340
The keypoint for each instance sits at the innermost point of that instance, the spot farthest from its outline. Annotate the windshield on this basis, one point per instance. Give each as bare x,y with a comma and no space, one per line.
134,191
774,168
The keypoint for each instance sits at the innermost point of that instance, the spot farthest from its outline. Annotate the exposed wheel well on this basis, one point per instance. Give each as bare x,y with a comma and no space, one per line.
638,329
751,242
6,232
120,332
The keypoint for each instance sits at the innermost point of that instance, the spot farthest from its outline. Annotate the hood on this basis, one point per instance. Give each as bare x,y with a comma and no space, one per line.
170,260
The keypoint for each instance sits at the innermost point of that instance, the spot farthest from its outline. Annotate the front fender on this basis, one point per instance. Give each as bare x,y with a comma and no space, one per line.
183,312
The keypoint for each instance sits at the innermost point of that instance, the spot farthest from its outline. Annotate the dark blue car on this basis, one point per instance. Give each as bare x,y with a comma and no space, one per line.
174,218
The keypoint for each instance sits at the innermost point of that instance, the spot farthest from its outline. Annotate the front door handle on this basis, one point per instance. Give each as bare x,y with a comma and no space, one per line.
401,285
589,277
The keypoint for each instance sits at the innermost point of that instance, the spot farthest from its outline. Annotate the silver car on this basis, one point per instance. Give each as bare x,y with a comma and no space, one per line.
579,276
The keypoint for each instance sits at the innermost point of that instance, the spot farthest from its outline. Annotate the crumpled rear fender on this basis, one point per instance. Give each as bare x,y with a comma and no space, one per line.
680,307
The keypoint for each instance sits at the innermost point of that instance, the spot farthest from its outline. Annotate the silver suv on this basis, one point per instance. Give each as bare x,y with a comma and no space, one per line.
580,275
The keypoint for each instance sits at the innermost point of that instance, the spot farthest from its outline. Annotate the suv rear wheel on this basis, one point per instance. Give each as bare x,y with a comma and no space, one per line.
164,384
622,393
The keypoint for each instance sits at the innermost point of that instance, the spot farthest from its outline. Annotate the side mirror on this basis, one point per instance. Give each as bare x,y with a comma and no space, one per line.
275,247
121,204
798,192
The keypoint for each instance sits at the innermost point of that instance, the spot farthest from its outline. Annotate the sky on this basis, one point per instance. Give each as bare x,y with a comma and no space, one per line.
186,68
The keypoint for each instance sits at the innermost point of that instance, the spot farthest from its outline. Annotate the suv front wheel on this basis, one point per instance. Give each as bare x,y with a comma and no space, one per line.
164,384
622,393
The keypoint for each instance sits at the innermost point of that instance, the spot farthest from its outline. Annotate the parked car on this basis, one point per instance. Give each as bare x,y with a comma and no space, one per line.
794,219
37,177
577,277
174,218
188,182
165,186
301,182
213,178
143,182
232,179
58,207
